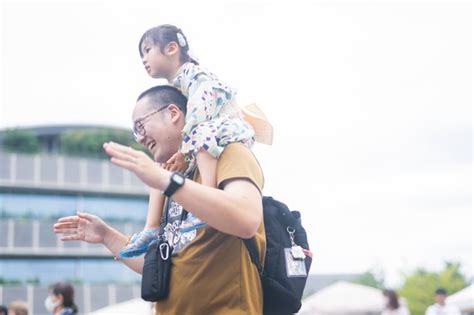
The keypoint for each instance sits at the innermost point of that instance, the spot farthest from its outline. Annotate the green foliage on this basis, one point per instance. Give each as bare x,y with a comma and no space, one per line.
33,281
372,278
20,141
4,281
88,142
75,281
419,286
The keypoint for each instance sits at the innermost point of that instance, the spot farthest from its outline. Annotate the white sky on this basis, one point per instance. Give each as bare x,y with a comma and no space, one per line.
371,103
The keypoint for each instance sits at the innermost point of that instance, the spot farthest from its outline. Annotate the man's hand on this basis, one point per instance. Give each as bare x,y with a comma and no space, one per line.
91,229
81,227
139,163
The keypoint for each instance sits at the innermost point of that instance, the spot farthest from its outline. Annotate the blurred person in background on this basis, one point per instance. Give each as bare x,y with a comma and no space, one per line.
18,308
3,310
440,307
60,300
392,305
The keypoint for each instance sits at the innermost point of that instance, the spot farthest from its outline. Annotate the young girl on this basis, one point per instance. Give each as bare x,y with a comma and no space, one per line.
213,120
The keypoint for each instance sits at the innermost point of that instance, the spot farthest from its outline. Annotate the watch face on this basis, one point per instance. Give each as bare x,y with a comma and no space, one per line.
178,179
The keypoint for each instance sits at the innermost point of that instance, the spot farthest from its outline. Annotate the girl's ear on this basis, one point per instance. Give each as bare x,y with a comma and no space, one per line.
172,49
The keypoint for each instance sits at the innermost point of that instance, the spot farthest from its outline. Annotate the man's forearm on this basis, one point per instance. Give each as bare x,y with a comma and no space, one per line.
236,210
115,242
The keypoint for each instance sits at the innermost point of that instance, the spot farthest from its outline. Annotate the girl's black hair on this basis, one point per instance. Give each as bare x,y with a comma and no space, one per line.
163,35
67,291
392,296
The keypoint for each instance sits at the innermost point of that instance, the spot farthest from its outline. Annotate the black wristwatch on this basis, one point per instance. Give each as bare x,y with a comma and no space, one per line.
176,182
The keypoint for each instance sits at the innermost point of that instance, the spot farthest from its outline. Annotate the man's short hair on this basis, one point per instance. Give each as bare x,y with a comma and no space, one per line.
162,95
18,307
441,291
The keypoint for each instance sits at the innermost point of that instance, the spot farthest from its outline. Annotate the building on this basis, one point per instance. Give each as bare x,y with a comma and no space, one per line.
35,190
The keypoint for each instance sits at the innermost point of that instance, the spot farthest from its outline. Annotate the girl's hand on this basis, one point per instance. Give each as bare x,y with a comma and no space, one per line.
177,163
137,162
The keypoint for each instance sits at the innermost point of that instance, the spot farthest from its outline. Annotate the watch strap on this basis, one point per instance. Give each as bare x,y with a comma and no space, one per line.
173,186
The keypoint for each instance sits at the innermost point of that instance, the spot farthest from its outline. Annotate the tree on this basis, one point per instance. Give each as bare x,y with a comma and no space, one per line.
88,142
419,286
21,141
372,278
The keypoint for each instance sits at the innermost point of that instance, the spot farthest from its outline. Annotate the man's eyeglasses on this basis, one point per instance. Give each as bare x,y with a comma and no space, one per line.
139,125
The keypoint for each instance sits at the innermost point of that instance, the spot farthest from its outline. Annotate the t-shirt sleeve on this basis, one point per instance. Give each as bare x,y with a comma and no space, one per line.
237,161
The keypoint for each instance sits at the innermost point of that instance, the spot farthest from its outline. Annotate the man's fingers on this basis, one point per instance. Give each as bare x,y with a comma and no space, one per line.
67,225
66,231
125,164
121,149
74,237
86,216
116,145
114,153
73,218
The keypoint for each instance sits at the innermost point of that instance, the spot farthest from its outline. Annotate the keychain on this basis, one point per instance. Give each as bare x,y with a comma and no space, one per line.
296,250
294,257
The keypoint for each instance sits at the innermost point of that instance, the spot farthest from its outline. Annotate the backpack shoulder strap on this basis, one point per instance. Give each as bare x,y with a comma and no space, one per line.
252,249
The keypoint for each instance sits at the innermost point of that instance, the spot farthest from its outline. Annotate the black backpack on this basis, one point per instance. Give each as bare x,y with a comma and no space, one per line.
282,290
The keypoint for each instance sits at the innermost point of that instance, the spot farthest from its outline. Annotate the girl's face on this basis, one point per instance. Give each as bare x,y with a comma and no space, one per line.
157,64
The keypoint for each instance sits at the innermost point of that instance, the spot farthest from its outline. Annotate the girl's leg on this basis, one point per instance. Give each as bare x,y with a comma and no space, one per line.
140,241
207,165
155,206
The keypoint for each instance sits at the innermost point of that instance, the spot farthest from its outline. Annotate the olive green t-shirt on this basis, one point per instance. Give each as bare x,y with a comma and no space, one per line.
213,274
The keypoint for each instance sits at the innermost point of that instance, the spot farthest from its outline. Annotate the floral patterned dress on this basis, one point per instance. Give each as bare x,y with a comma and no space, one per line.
213,120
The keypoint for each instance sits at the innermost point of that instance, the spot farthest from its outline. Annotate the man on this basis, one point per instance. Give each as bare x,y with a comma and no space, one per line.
440,307
212,272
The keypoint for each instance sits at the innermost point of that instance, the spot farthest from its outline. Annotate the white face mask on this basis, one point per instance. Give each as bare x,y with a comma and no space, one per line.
50,305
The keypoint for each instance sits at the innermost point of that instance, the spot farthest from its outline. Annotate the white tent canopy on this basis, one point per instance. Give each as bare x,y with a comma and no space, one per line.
130,307
463,299
343,298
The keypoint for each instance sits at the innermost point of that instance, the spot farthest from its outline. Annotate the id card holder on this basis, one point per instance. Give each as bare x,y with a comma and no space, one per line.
294,267
297,252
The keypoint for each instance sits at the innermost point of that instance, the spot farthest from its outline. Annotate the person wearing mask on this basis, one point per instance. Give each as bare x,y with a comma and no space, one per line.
440,307
60,300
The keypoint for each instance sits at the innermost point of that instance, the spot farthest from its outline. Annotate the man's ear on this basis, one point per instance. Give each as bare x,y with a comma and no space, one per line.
175,112
172,49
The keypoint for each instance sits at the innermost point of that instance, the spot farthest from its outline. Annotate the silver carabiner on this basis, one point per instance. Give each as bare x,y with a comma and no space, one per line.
164,247
291,232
